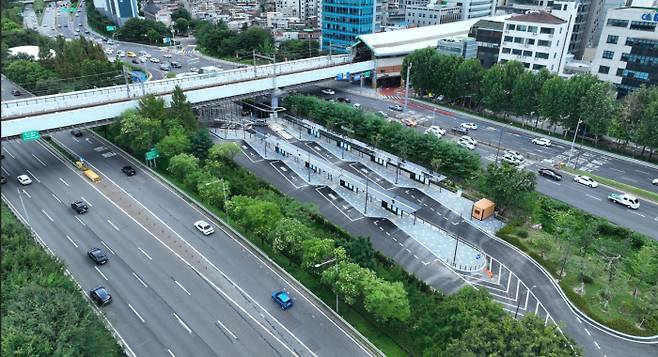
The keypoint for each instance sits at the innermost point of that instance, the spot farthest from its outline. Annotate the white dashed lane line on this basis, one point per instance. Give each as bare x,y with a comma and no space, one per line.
44,212
112,224
143,252
101,273
182,287
138,315
108,248
590,196
64,182
71,240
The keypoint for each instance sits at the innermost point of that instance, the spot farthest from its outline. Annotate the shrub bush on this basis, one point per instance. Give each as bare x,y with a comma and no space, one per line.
522,233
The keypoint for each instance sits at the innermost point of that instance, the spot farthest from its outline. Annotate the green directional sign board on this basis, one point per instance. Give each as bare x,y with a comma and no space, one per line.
73,9
30,135
366,74
110,28
152,154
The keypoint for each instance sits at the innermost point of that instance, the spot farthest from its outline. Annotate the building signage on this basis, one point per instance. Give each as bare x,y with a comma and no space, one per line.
650,17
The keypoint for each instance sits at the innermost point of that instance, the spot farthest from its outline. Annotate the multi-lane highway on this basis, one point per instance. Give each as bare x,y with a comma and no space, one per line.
174,290
488,134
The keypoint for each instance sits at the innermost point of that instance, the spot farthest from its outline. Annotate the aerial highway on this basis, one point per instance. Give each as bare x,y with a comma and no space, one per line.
174,290
592,200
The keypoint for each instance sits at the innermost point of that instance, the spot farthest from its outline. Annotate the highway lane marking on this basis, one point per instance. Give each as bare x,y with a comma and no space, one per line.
31,174
64,182
612,168
42,163
586,330
26,194
138,315
590,196
10,154
597,345
639,214
579,321
79,220
140,280
55,197
44,212
101,273
74,138
71,240
221,326
7,172
112,224
87,202
182,287
171,353
142,250
642,172
189,331
555,183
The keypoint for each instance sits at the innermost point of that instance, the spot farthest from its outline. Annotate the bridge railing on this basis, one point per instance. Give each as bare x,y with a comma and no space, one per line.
123,92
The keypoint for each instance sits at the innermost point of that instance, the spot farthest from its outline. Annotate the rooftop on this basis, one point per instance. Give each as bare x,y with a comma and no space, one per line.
541,17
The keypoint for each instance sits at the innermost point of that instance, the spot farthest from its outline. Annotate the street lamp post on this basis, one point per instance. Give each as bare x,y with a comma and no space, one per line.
223,187
406,84
573,142
332,260
519,303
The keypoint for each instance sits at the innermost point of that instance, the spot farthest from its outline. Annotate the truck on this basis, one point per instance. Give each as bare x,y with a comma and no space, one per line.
92,176
625,199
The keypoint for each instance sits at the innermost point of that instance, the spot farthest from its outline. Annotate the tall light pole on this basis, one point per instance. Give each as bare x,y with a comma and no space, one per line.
332,260
406,85
223,187
519,303
573,142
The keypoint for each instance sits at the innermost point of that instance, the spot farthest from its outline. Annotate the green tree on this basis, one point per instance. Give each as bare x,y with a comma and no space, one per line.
507,186
182,164
507,337
552,104
576,88
348,281
154,108
214,192
181,109
467,79
288,237
493,89
153,36
27,73
316,251
258,216
644,266
647,132
173,144
598,107
201,142
181,13
387,301
525,94
223,151
138,132
182,25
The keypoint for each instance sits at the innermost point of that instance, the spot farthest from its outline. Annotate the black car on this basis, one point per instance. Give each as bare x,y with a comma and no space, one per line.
135,61
128,170
79,207
87,31
3,179
100,295
459,130
550,174
344,100
175,65
97,256
15,92
76,132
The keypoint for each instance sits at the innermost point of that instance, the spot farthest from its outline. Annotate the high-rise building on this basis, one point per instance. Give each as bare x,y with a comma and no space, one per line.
488,35
627,54
344,20
431,14
298,8
118,11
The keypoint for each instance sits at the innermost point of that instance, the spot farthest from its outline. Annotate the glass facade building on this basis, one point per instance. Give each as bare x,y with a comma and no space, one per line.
344,20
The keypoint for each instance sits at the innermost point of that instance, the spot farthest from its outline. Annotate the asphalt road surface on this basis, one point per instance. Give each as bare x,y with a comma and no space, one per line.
592,200
164,301
594,341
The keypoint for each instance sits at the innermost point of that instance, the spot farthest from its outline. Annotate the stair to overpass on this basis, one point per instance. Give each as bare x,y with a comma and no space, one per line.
101,104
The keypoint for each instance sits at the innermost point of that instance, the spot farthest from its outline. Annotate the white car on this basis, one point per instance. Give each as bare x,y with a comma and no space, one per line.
143,59
204,227
586,180
542,142
24,180
468,139
328,91
154,60
121,54
465,143
469,126
167,55
515,154
109,51
655,182
436,131
510,159
194,69
356,105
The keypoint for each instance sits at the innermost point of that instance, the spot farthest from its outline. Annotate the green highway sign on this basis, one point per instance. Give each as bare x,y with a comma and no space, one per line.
30,135
366,74
152,154
110,28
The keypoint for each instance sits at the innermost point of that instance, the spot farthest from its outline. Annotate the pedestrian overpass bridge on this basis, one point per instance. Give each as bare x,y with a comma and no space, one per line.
103,104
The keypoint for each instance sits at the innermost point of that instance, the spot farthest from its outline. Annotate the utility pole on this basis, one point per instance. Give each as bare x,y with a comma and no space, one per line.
519,304
253,53
500,137
365,209
406,85
573,142
125,77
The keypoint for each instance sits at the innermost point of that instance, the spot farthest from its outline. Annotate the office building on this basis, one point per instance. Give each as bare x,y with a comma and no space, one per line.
431,14
537,39
344,20
488,35
462,46
119,11
627,54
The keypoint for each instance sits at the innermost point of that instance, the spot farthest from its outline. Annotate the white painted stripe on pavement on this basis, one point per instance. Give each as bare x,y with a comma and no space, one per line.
41,162
586,330
10,154
112,224
71,240
79,220
108,248
26,194
182,287
183,324
55,197
590,196
171,353
138,315
87,202
100,272
140,280
64,182
597,345
44,212
142,250
639,214
221,325
31,174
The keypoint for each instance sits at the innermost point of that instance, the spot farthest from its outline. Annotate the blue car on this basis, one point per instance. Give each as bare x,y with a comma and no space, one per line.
283,299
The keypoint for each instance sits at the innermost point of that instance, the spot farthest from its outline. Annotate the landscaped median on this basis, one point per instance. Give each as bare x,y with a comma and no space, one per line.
647,195
43,311
607,271
398,313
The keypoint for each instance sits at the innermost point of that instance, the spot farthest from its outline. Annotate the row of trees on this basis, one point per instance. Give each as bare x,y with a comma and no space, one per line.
143,31
372,128
43,312
510,88
425,322
76,65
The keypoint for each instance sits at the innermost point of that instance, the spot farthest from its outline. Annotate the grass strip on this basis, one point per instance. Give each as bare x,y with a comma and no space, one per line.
647,195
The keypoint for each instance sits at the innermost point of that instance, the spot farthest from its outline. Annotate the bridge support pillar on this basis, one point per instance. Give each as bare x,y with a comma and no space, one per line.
274,102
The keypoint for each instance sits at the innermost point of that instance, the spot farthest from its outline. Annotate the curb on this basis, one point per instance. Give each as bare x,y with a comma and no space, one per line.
526,131
230,231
